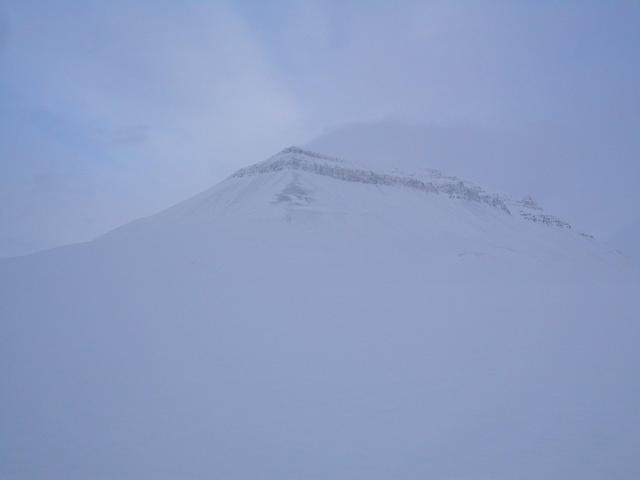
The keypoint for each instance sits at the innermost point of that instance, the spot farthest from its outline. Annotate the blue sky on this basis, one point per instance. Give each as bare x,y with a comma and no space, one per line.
113,110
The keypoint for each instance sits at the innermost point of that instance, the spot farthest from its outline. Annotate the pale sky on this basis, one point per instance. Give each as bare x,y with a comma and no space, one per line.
114,110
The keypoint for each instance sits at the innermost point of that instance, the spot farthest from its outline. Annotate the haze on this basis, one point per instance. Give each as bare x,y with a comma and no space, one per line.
114,110
319,240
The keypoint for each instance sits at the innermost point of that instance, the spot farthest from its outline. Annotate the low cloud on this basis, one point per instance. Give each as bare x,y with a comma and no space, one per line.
145,104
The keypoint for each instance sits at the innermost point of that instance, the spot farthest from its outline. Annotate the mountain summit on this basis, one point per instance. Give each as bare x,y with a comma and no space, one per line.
428,181
455,226
309,317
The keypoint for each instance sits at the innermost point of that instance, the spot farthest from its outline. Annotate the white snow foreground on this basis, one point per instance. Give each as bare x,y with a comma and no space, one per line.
312,319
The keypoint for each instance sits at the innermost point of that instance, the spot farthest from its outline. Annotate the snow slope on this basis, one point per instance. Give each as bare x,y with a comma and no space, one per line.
310,318
628,240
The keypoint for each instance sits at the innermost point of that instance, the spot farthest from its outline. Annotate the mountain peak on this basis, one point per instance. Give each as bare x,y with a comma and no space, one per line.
297,152
294,150
299,160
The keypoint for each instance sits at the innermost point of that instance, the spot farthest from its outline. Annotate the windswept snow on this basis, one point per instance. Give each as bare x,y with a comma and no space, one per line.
313,318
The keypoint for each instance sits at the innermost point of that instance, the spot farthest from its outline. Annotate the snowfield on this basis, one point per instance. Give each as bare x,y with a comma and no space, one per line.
309,318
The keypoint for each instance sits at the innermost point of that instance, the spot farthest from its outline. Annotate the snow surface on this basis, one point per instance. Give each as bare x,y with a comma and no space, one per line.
309,318
628,240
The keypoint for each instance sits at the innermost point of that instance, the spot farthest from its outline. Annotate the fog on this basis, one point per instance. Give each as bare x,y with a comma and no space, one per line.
116,110
222,306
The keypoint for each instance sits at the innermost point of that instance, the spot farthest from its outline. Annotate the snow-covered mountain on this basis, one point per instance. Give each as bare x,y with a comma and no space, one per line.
310,317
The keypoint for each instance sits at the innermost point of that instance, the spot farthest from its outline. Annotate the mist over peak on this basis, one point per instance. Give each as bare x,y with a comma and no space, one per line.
438,279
